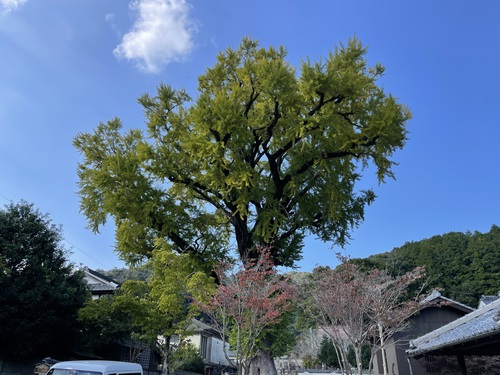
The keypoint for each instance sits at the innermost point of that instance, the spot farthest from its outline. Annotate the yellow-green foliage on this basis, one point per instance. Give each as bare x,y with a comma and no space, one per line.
177,278
265,154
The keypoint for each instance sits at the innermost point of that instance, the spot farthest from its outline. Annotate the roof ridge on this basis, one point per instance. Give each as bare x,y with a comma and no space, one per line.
436,295
101,276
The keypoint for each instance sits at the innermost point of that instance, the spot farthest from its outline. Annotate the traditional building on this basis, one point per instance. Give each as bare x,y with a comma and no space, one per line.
213,349
469,344
99,284
435,312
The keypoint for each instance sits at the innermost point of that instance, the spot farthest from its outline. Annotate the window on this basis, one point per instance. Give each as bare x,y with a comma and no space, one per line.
204,347
60,371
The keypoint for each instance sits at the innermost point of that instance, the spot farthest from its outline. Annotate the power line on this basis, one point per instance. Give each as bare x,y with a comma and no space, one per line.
7,199
86,254
66,240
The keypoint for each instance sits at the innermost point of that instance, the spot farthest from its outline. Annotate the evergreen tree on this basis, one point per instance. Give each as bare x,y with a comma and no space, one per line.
327,354
187,358
40,292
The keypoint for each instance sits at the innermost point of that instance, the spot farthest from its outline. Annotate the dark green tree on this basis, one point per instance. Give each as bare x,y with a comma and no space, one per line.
327,353
115,321
187,358
142,314
263,156
366,353
40,292
283,336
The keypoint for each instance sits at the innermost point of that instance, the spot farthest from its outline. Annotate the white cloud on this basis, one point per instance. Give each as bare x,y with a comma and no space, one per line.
10,5
110,17
162,33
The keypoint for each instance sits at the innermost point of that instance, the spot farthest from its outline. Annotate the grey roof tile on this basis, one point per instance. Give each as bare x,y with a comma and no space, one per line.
476,324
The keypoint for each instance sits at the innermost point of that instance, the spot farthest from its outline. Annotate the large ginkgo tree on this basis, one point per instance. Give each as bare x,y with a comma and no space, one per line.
265,154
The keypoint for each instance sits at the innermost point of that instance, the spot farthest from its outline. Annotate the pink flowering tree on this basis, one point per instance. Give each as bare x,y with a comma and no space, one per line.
357,307
248,302
389,306
339,307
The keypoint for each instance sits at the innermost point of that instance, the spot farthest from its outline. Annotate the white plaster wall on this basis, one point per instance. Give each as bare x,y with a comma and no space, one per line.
217,352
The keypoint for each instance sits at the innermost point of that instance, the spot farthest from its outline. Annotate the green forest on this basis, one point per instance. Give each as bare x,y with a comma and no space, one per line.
464,266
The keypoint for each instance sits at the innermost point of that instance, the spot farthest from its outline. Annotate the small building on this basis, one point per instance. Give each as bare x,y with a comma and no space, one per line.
212,348
470,344
435,312
99,284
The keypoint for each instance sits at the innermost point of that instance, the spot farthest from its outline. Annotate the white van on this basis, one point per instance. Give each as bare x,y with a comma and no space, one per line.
94,367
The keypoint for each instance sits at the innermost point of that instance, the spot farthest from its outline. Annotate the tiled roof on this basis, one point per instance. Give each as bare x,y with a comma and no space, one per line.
101,276
436,299
100,287
488,299
482,322
98,283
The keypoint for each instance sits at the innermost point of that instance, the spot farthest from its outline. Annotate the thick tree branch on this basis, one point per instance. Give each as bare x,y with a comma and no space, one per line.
321,103
204,193
253,98
331,155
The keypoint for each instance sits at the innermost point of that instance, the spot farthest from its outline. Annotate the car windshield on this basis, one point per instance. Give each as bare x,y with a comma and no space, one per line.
63,371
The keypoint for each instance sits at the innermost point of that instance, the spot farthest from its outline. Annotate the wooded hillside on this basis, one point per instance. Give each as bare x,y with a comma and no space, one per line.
464,265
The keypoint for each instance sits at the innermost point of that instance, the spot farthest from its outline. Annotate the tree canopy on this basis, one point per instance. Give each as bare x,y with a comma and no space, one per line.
40,293
112,320
264,155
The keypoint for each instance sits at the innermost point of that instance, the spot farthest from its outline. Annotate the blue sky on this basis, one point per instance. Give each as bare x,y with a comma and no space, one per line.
67,65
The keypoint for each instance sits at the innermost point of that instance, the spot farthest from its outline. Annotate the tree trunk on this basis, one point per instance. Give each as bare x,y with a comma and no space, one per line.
345,366
382,350
166,357
370,364
339,350
262,364
359,364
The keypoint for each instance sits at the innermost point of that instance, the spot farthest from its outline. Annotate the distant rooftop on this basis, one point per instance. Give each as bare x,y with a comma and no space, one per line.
437,299
98,283
485,300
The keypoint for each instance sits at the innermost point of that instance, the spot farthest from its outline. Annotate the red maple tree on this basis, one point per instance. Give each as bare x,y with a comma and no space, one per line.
251,299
